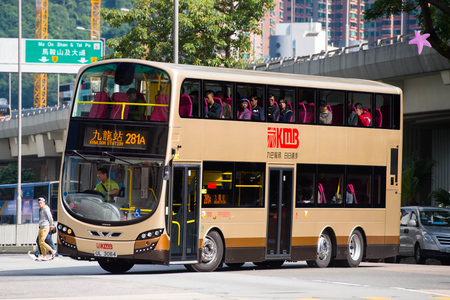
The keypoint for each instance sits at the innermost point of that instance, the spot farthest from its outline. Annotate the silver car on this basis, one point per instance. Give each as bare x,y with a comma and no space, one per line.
425,233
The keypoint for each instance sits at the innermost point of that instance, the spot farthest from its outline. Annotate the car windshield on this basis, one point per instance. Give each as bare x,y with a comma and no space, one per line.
435,217
110,189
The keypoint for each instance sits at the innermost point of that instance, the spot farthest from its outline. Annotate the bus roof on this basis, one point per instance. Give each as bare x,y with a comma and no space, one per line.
273,78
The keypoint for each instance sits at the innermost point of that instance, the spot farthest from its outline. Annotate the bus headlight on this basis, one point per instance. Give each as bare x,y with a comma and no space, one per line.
64,229
150,234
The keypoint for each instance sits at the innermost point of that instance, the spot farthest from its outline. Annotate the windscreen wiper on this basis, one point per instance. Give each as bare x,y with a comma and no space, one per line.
85,158
115,157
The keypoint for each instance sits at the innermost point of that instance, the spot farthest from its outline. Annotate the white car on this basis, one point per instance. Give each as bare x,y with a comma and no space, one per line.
425,233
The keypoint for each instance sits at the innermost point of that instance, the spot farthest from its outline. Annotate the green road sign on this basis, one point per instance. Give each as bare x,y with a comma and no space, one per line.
62,51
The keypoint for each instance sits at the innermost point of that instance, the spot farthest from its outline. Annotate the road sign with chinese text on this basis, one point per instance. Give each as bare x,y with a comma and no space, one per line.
62,51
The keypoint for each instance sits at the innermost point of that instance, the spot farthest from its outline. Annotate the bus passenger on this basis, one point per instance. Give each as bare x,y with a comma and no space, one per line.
212,109
106,185
243,111
285,112
360,117
226,107
194,98
136,112
273,111
325,116
257,111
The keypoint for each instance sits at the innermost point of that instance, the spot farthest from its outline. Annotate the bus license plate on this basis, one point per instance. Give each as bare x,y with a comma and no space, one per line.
105,253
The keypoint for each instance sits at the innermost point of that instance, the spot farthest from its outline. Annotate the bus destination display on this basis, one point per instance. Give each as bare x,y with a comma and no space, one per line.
121,138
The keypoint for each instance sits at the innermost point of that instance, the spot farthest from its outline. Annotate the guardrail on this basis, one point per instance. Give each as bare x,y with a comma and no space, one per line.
28,112
286,61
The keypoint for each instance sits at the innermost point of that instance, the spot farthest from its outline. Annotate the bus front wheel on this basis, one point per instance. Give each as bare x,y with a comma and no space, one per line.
212,252
115,266
324,252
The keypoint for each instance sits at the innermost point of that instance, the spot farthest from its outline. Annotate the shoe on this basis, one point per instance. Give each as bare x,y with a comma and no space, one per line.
52,257
41,259
33,257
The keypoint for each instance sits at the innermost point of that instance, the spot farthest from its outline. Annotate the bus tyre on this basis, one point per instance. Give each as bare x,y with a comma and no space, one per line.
115,266
274,263
355,249
324,252
234,265
212,253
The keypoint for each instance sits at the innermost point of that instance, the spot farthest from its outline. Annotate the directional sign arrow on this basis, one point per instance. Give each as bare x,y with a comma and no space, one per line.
83,60
44,59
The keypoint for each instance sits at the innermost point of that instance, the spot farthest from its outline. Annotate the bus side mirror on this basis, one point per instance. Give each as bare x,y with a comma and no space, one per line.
166,172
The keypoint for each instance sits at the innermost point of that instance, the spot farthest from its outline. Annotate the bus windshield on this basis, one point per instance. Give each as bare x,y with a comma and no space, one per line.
110,190
123,91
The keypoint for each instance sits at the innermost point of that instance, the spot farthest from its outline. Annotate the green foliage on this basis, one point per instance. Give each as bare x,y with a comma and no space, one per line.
441,196
10,174
415,176
433,16
212,33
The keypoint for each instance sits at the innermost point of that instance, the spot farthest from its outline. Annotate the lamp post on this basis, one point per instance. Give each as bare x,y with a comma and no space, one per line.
99,38
175,31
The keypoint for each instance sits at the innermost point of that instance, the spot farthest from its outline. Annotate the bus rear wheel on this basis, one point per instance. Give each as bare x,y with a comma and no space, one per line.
324,252
212,253
355,249
115,266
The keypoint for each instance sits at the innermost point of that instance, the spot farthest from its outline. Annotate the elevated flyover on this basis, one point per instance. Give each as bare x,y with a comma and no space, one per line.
43,135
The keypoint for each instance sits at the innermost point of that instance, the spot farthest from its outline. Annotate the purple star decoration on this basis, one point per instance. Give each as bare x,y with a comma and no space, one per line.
420,40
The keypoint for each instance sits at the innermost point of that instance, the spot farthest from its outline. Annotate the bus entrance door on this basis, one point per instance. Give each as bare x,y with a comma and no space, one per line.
279,223
185,216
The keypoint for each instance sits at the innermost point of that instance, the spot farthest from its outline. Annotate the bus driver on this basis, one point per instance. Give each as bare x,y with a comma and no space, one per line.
106,185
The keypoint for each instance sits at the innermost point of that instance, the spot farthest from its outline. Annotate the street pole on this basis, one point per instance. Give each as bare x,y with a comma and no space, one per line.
291,48
10,94
19,138
347,21
175,31
326,26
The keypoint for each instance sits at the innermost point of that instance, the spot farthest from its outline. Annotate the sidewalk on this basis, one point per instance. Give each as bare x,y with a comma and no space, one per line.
17,249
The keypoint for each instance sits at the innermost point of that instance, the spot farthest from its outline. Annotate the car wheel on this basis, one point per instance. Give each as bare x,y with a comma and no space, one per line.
418,255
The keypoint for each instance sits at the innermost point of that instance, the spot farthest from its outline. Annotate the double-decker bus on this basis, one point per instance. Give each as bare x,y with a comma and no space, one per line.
5,109
30,194
199,182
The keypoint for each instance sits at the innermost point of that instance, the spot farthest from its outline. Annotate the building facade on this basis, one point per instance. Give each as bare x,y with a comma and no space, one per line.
343,14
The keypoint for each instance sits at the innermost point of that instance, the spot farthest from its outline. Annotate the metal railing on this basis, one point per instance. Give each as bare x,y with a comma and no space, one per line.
286,61
28,112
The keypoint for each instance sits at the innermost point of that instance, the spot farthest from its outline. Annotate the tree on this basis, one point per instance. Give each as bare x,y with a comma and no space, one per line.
433,16
10,174
441,196
211,32
416,176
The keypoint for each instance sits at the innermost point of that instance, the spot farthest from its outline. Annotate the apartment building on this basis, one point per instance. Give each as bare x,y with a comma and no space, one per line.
308,11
